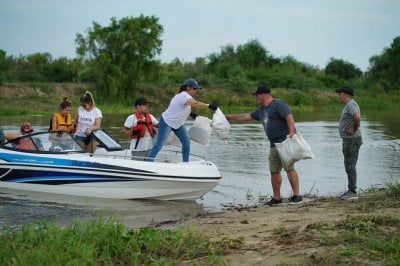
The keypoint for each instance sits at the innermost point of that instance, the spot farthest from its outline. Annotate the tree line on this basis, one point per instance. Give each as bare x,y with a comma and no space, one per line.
122,55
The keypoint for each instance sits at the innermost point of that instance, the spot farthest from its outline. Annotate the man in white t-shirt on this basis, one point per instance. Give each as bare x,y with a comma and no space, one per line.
139,126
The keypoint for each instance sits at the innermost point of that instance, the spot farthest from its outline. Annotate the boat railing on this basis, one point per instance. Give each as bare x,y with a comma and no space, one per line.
166,156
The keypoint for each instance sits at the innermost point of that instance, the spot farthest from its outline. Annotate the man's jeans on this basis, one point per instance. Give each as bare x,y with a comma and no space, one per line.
163,132
351,147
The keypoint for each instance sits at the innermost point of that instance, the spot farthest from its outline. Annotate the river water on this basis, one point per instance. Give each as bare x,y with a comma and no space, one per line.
243,163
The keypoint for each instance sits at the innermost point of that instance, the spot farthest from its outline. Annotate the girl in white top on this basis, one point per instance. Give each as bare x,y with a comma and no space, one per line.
87,120
175,116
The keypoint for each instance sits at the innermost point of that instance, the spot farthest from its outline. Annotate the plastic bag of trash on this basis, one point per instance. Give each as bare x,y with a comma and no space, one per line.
294,149
201,130
199,135
220,125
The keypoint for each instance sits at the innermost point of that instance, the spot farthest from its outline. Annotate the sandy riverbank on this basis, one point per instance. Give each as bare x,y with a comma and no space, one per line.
310,233
279,235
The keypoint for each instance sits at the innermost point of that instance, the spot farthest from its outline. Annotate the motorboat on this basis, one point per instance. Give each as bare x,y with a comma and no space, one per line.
54,162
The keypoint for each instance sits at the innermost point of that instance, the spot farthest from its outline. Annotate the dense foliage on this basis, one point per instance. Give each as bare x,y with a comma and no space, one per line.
38,67
120,57
385,68
122,54
342,69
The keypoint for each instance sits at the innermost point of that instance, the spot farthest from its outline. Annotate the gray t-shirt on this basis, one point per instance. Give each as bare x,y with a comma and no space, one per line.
273,120
346,119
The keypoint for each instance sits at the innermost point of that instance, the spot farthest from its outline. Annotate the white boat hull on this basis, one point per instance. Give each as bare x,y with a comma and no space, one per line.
106,175
159,190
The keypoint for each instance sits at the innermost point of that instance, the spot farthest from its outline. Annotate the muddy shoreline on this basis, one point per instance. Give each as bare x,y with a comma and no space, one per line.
21,207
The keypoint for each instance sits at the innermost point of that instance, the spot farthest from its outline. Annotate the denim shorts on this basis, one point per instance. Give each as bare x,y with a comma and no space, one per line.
275,162
80,138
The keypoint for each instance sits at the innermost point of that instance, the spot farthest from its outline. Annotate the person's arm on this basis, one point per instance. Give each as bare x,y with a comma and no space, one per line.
154,120
195,104
290,124
239,117
75,125
96,126
127,131
130,122
54,123
11,136
356,123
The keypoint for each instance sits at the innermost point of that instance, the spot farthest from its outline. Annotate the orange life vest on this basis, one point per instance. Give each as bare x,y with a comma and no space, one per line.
63,123
143,122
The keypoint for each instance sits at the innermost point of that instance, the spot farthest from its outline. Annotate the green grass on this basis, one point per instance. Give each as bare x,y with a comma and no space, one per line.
107,242
388,197
362,239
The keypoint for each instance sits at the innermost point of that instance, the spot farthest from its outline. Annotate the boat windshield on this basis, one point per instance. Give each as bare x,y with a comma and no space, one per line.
106,141
54,142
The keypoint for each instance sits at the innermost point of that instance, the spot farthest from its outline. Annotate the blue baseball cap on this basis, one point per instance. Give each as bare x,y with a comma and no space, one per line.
192,83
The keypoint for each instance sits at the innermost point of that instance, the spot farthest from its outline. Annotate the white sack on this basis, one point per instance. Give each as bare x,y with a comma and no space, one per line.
201,130
220,125
199,135
294,149
203,122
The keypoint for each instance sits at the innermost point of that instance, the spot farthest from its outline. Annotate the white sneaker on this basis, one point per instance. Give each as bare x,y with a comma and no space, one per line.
349,195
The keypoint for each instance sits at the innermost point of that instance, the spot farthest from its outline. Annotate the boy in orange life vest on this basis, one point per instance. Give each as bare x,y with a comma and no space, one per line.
139,126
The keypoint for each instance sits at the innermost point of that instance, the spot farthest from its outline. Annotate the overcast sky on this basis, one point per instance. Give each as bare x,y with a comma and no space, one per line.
310,31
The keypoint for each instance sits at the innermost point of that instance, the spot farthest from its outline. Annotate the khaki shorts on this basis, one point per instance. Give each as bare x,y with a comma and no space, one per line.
275,162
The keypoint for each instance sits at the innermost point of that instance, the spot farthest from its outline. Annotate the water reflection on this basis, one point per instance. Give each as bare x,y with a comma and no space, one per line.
18,207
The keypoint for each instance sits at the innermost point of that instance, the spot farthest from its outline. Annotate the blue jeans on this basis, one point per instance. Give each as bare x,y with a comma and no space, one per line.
163,132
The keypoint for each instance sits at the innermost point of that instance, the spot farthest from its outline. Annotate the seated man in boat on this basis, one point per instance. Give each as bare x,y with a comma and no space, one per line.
28,143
